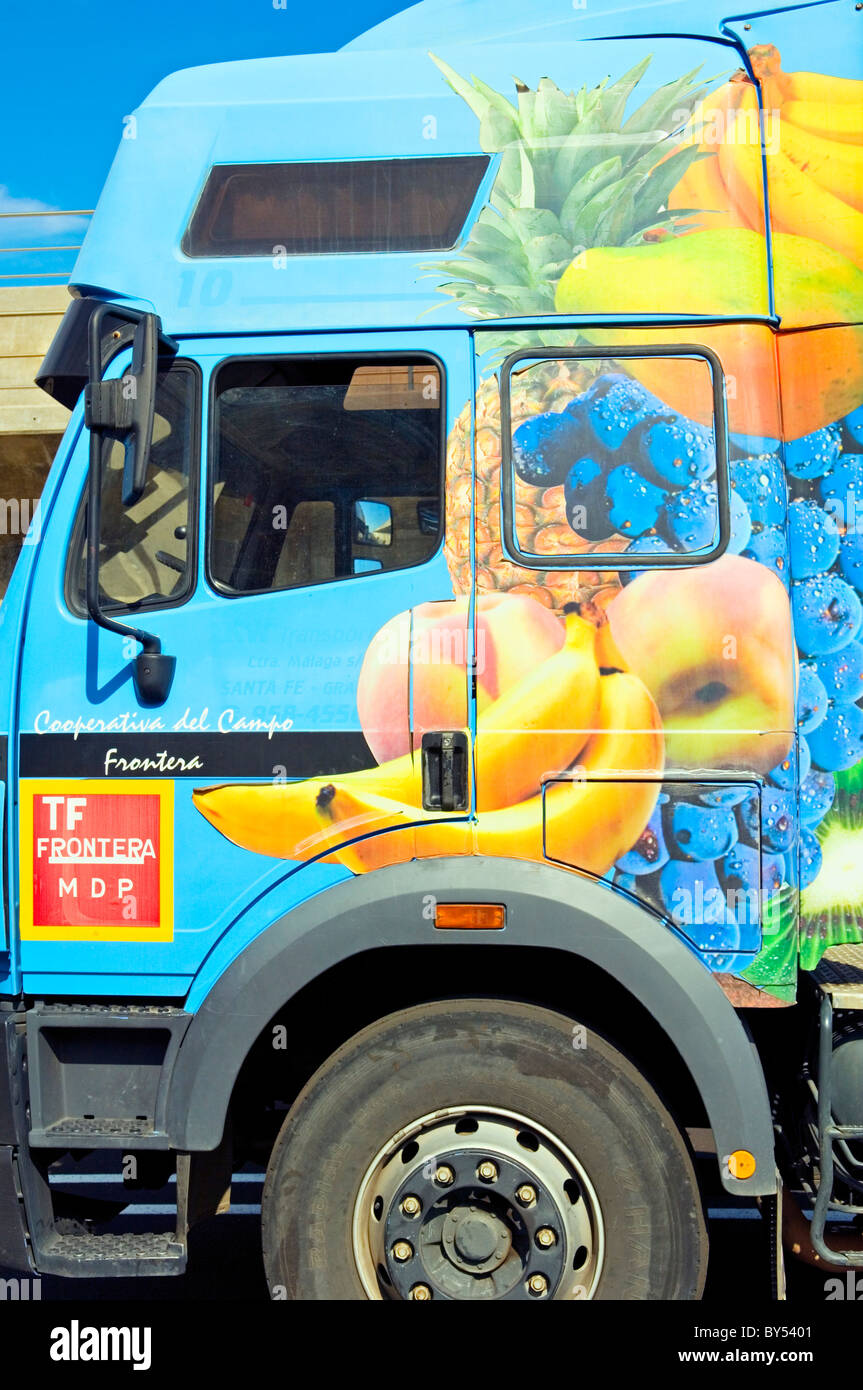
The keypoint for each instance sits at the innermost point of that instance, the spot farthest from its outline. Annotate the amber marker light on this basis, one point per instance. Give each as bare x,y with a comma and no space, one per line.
741,1164
470,916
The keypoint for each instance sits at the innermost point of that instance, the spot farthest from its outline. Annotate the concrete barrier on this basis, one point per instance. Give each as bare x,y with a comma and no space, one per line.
31,423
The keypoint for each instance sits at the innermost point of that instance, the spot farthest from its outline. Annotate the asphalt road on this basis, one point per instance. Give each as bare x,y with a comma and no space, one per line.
225,1256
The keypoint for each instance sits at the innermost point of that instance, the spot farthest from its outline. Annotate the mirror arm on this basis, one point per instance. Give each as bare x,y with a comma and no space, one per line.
153,671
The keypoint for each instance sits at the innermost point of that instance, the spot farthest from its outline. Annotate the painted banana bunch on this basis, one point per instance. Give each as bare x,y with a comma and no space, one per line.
563,717
813,131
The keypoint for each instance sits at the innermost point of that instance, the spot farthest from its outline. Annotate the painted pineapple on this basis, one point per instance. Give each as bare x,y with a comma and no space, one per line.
572,175
539,512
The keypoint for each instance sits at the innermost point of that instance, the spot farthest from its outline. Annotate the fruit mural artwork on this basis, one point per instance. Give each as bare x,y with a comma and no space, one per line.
638,724
561,713
793,479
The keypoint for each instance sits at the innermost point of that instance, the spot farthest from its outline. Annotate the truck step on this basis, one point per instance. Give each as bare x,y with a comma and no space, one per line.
840,975
107,1011
111,1256
99,1074
97,1132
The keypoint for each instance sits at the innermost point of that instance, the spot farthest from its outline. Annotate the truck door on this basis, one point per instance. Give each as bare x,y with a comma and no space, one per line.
534,718
588,465
291,574
654,747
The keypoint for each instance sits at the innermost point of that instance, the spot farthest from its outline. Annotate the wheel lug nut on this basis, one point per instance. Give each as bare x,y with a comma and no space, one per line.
526,1194
538,1284
487,1170
444,1175
420,1293
545,1237
410,1206
402,1250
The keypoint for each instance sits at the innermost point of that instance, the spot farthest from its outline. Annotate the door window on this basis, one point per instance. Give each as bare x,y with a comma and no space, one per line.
635,462
323,468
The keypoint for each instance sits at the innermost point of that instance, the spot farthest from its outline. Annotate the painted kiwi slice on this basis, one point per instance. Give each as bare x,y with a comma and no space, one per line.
831,908
775,966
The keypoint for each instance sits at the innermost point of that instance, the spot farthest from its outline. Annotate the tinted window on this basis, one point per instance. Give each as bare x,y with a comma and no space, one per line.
342,205
323,469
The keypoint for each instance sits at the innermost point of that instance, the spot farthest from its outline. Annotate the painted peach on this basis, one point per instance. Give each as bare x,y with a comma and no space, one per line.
419,659
713,644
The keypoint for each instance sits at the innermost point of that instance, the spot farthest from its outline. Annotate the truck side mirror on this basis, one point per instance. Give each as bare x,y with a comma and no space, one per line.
373,523
124,409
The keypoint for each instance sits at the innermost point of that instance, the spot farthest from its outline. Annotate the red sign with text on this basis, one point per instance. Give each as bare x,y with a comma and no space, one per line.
96,860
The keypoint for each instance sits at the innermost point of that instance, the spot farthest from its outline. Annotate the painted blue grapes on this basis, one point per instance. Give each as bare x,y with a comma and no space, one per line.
629,466
827,614
813,538
814,454
639,469
826,523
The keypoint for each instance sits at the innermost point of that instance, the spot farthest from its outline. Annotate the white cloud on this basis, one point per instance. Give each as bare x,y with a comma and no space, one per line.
36,231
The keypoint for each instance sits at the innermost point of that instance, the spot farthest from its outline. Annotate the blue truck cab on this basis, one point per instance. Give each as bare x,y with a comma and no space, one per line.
430,724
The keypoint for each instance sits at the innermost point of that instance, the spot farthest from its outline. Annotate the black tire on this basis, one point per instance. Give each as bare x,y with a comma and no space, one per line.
490,1053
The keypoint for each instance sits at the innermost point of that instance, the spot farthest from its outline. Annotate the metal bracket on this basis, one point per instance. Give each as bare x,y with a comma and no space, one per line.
828,1133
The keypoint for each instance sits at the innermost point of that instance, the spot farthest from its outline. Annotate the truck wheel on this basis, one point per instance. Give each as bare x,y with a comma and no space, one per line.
475,1149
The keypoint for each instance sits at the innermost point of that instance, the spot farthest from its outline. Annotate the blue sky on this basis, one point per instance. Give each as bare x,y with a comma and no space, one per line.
72,71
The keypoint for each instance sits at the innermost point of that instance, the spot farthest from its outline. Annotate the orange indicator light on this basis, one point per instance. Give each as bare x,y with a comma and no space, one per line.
470,916
741,1164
